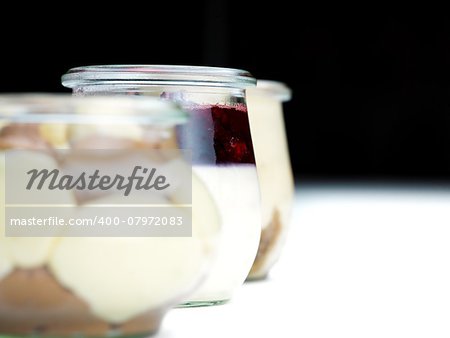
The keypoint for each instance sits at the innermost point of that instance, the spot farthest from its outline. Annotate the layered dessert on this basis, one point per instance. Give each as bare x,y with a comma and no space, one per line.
218,134
223,159
274,170
97,286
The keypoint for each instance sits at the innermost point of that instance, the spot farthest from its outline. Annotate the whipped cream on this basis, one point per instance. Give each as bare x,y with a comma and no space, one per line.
236,193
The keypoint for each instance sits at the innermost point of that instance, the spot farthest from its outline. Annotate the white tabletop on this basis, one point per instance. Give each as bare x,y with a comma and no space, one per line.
361,261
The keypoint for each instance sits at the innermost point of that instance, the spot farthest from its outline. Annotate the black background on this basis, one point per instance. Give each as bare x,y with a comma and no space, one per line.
370,91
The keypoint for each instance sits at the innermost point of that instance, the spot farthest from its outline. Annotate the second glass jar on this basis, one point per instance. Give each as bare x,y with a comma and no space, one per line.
265,104
222,152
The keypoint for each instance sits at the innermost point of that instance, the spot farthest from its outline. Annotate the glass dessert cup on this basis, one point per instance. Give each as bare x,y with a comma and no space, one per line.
69,284
272,159
219,136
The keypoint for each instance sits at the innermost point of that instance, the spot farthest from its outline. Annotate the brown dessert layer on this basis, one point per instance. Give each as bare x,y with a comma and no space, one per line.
22,136
33,302
269,237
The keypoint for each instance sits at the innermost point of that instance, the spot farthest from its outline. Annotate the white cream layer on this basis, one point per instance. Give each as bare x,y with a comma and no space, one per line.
235,190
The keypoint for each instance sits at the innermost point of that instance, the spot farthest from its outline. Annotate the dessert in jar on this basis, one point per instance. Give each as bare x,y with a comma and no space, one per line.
219,136
58,286
274,170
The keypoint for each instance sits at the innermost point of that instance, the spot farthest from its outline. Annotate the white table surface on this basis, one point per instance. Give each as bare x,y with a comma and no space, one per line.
360,261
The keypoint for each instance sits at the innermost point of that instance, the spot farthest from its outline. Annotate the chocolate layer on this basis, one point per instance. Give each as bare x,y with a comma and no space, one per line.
33,302
22,136
269,237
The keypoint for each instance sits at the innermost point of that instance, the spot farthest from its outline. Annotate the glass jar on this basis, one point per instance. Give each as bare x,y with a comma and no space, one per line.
95,273
274,170
219,136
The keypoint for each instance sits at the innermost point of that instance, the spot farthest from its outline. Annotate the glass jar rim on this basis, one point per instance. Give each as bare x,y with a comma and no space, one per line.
165,75
65,108
273,88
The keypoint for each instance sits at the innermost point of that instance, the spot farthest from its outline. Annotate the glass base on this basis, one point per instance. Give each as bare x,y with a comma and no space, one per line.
256,279
201,303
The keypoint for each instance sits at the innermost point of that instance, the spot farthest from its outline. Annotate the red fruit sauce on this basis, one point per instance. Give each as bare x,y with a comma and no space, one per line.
217,135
